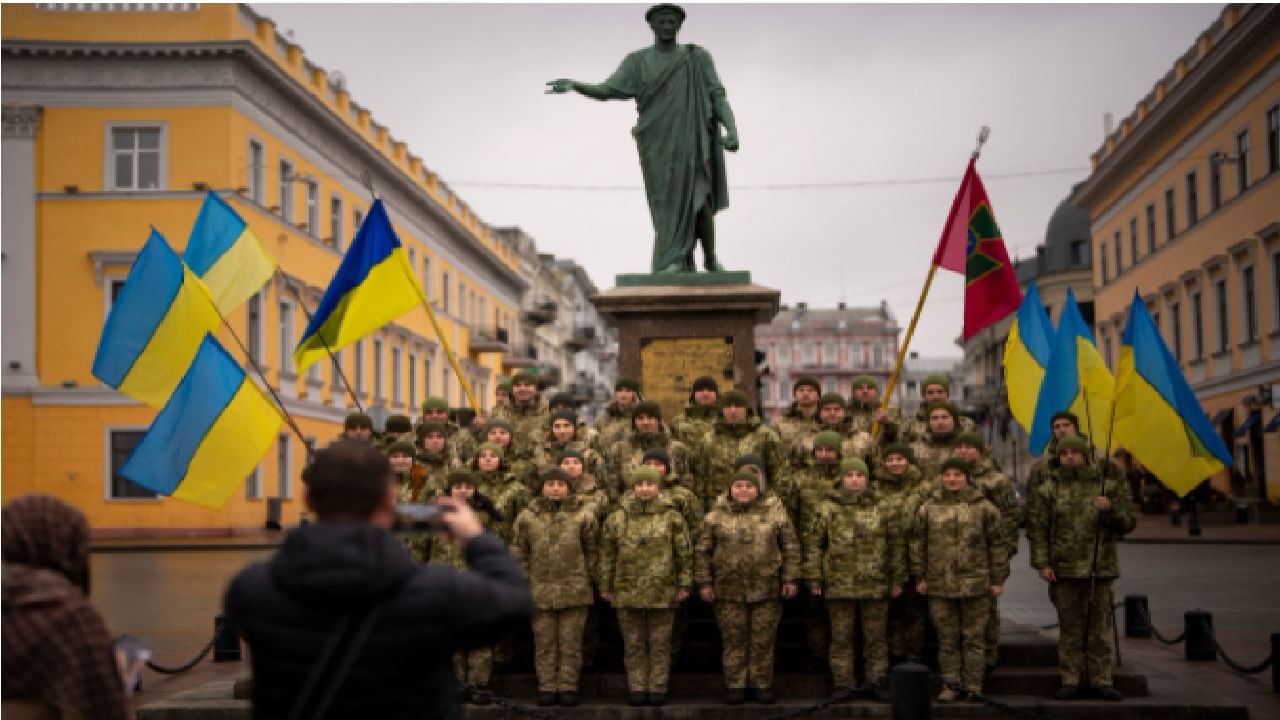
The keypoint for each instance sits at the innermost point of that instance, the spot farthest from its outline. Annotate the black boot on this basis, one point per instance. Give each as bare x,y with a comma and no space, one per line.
765,696
657,699
546,699
735,696
636,699
569,699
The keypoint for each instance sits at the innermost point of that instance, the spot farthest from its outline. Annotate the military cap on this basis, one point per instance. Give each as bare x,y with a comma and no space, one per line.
560,398
950,407
657,453
627,383
505,386
435,402
972,439
570,453
852,463
357,420
1075,421
402,447
706,382
490,446
902,449
644,474
827,439
956,463
746,476
734,397
832,399
803,380
563,414
398,424
864,379
749,459
426,429
1074,443
936,379
499,423
525,377
648,407
458,477
553,474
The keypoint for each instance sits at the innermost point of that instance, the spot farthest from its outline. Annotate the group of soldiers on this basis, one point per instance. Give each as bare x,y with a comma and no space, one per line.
866,515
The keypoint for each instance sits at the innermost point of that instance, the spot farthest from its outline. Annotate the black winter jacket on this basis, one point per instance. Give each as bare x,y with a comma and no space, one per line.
287,608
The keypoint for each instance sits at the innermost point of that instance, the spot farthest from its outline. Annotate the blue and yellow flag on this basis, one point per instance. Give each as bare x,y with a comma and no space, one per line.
373,286
210,435
1026,354
224,253
1076,379
155,327
1158,417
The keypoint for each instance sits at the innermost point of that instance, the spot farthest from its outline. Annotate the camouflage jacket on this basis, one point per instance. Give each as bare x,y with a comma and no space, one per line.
434,471
997,488
1047,463
461,444
722,447
613,425
529,421
745,552
443,551
931,452
626,454
803,489
958,546
794,428
1062,521
853,443
509,496
854,547
690,426
645,554
593,497
544,457
904,492
862,418
916,427
685,503
555,542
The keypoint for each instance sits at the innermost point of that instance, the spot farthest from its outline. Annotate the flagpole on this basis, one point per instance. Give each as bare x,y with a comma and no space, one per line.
337,366
983,134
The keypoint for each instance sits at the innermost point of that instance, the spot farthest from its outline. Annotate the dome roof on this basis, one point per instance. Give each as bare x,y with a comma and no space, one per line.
1068,224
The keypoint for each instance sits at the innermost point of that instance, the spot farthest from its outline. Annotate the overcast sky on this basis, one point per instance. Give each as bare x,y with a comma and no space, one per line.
851,96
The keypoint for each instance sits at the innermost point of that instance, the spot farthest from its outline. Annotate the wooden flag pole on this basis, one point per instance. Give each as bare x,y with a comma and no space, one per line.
448,351
337,367
983,134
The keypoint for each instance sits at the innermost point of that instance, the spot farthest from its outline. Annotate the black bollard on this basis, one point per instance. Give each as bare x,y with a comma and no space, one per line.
910,695
226,641
1193,527
1136,614
1275,662
1200,644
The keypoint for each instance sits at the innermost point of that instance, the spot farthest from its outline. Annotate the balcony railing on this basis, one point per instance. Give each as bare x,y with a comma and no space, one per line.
541,313
517,357
490,340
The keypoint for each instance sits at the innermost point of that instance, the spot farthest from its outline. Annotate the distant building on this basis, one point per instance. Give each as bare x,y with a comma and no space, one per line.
1184,201
831,345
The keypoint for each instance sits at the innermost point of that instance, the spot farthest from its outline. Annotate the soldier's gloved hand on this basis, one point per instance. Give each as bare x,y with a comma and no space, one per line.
1046,573
996,590
815,589
922,587
682,595
708,594
1102,502
606,596
895,591
788,590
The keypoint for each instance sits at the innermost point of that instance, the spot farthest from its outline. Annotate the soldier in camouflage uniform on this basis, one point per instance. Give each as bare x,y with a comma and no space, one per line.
804,487
699,414
958,555
436,458
502,394
864,410
675,489
520,464
528,414
997,488
735,433
747,558
495,481
935,389
856,558
646,569
555,542
584,484
1065,424
800,421
647,432
614,423
934,446
564,433
357,426
1071,507
583,432
406,472
833,416
899,483
462,443
395,429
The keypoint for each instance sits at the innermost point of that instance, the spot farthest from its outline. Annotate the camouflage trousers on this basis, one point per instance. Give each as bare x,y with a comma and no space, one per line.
748,632
961,624
817,633
557,648
1071,598
907,616
875,647
473,667
646,647
991,637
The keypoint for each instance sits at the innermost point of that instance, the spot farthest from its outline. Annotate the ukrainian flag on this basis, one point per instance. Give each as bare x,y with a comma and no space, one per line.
210,435
1158,417
1076,379
224,253
373,286
155,327
1026,354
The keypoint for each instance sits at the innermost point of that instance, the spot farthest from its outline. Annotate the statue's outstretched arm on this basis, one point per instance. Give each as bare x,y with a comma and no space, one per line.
595,92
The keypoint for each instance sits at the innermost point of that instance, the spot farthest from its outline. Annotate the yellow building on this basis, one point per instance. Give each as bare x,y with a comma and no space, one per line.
118,118
1184,200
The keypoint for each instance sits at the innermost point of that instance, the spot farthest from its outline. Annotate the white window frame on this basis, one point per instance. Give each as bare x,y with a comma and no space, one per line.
426,275
287,171
107,470
253,484
357,219
396,357
337,389
426,374
109,152
336,209
253,326
284,467
286,337
1248,335
413,382
809,354
357,368
313,208
377,369
257,172
830,353
108,282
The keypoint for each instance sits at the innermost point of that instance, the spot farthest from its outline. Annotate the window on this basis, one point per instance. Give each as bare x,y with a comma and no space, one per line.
284,475
1224,330
1170,220
829,385
357,219
480,313
114,286
253,310
474,314
286,337
426,375
1215,183
1242,161
286,190
137,158
120,487
253,485
1133,241
829,353
395,376
1102,256
413,381
377,369
1197,324
313,208
1079,252
1151,227
335,223
426,276
784,354
444,291
1273,139
358,370
413,258
462,301
338,385
1193,206
809,355
766,391
1119,262
256,167
445,384
1250,296
877,357
1175,329
313,375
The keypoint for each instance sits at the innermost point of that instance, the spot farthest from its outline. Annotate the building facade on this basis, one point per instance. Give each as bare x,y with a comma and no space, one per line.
118,118
832,345
1184,201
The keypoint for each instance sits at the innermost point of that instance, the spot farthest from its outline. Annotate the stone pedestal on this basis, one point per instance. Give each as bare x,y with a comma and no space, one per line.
671,334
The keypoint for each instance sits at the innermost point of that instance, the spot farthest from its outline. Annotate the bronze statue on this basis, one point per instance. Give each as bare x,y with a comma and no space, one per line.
682,105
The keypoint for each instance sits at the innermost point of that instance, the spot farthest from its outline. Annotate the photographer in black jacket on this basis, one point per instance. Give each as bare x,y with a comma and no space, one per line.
343,623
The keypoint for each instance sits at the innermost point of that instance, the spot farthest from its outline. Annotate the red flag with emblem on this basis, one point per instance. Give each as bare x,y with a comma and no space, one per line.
971,244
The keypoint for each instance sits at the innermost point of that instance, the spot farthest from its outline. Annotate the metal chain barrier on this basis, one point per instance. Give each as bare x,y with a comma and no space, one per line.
1156,633
846,696
1006,708
185,667
515,707
1246,669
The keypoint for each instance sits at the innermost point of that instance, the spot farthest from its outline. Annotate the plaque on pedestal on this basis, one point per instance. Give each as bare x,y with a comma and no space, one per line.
670,334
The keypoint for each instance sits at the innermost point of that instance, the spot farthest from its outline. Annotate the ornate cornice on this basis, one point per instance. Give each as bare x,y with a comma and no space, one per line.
20,121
